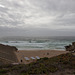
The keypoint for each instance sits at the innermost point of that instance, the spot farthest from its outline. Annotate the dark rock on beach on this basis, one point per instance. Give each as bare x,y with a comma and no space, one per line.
71,47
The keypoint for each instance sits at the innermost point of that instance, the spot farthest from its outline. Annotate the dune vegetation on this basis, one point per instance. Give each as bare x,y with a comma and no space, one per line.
61,65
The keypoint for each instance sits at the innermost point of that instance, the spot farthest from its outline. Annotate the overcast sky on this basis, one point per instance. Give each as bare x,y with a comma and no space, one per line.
37,18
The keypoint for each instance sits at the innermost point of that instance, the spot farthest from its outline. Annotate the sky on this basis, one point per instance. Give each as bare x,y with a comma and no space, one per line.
37,18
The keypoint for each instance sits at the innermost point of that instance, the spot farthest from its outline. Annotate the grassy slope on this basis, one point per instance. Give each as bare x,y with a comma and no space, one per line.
42,66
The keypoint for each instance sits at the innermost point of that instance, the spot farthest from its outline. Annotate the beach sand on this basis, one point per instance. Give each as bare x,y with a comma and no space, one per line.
33,53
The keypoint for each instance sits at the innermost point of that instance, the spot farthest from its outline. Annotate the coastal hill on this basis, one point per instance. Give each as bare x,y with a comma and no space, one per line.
50,62
11,55
63,64
7,54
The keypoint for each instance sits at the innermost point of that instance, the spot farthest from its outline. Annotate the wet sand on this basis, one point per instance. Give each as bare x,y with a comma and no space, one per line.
33,53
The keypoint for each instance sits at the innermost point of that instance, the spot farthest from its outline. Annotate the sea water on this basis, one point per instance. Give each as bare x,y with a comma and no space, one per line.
40,44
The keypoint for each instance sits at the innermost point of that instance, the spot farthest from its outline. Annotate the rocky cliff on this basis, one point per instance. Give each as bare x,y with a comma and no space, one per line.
70,47
7,54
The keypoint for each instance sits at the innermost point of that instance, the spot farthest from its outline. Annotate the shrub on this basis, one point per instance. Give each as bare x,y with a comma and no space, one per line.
45,58
73,72
3,71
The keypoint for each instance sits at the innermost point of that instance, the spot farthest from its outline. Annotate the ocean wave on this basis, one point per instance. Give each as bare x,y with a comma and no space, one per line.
39,44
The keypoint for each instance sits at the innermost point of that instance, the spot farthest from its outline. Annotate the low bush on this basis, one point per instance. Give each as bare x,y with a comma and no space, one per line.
3,71
42,66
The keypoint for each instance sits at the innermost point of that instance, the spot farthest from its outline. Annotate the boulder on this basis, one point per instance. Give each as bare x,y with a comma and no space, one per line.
70,47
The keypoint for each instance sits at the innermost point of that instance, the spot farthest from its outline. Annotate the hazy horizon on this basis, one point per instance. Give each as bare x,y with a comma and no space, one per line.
23,38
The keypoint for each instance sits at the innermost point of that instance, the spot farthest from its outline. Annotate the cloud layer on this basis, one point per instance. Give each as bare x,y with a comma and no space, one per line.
37,14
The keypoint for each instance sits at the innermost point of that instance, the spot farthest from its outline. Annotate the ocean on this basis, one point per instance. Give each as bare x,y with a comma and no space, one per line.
54,43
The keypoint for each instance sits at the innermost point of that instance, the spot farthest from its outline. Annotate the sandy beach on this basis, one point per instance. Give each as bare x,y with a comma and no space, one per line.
33,53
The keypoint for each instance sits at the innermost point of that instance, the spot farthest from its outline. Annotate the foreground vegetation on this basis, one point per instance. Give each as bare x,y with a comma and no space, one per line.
42,66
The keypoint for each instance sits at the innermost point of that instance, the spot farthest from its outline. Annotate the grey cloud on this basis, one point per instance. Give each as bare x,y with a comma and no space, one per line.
56,5
66,19
52,14
3,10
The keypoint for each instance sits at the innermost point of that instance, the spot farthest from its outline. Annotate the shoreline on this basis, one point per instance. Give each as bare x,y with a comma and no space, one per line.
41,50
40,53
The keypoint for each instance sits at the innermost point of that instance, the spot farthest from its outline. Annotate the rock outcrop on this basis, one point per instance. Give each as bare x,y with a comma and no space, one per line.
71,47
7,54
